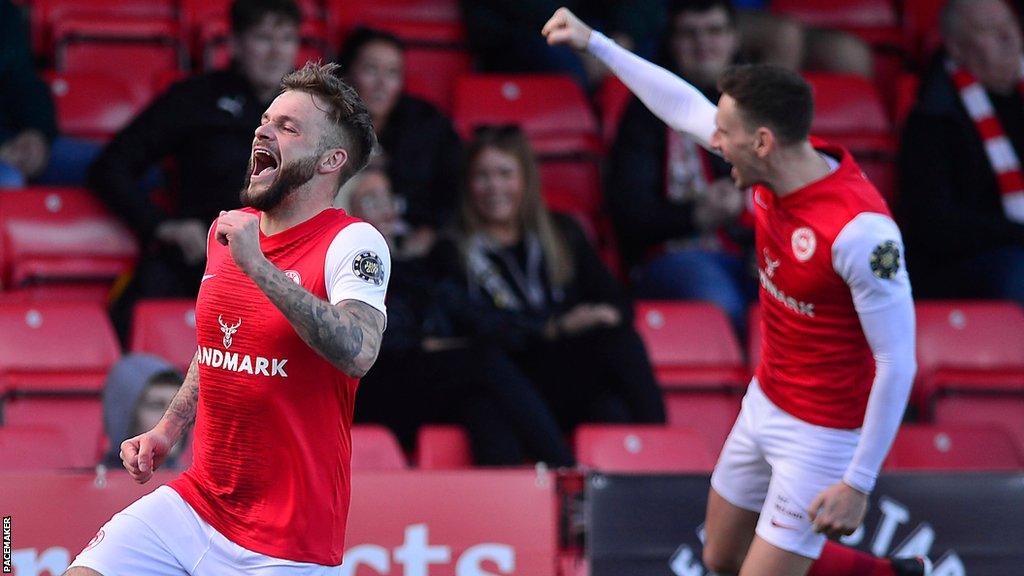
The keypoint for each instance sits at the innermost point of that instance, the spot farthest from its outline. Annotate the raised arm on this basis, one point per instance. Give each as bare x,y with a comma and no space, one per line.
668,96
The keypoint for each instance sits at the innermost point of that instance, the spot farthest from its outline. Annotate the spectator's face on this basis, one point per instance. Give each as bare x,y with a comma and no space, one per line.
267,51
286,150
377,77
737,144
988,43
372,201
152,405
703,44
496,183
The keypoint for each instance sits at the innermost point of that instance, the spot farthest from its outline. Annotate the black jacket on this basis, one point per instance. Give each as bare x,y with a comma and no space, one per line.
25,101
205,124
424,158
949,203
473,314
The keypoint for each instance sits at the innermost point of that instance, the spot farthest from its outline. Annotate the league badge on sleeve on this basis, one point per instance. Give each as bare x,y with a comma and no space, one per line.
885,260
368,267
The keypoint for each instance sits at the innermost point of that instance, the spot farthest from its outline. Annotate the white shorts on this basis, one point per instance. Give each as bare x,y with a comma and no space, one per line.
776,464
161,535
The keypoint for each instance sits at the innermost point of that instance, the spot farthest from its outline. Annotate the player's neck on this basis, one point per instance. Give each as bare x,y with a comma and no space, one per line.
794,167
296,208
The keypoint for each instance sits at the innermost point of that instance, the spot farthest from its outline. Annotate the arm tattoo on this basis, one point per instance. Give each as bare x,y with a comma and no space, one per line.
182,410
348,334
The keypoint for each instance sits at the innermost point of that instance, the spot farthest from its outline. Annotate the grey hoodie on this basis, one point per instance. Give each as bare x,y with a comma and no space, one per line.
122,391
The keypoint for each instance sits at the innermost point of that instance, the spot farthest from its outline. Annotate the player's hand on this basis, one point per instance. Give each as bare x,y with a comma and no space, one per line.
565,28
240,231
145,453
188,234
838,510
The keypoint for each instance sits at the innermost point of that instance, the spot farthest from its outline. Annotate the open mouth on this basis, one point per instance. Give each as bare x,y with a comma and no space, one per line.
264,163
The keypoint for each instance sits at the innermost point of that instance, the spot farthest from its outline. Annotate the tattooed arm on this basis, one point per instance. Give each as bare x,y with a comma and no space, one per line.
347,334
143,454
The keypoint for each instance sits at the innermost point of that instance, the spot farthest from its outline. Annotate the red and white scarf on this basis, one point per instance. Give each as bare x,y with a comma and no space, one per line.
1001,155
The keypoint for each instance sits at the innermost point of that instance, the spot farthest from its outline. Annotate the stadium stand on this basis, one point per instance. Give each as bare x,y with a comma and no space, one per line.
25,448
442,447
166,328
375,448
95,105
954,448
78,418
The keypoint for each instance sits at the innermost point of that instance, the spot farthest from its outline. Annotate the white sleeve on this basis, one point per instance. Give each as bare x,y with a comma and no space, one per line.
668,96
358,266
868,255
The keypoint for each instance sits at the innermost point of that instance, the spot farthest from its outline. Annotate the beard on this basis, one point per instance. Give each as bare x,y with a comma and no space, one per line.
291,176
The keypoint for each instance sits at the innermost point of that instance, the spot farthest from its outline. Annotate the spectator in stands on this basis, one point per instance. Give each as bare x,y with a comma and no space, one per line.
503,35
31,150
204,125
775,39
411,131
534,298
675,207
961,184
138,390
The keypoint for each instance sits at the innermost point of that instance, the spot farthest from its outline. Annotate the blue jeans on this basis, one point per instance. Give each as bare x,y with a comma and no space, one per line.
696,274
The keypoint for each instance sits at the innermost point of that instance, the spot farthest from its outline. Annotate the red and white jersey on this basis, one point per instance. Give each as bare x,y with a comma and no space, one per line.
272,442
825,252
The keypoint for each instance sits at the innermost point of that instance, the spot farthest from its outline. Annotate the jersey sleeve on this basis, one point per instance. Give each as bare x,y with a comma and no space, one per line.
868,254
668,96
358,266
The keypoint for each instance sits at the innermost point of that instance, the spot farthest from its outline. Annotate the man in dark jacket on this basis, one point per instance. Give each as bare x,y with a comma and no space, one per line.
204,127
961,191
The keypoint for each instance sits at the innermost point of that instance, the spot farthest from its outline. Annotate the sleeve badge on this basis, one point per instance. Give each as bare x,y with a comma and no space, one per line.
885,260
369,268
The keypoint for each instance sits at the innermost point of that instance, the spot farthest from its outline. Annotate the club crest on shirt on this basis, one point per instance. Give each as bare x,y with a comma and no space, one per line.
295,277
804,242
368,267
885,260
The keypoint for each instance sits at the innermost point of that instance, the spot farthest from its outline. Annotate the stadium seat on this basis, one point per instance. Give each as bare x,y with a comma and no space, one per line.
983,409
711,414
55,347
612,98
954,447
78,417
571,185
969,346
551,109
95,105
54,235
850,112
754,337
46,14
906,97
375,448
875,21
166,328
133,50
343,16
921,28
441,447
615,448
34,448
691,345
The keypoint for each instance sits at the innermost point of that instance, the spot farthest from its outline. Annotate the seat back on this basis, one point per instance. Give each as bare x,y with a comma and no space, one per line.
442,447
375,448
954,447
615,448
166,328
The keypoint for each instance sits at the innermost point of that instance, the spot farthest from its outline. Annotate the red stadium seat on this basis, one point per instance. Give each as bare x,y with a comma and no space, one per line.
166,328
343,16
375,448
850,112
133,50
613,448
61,235
921,27
551,109
55,347
440,447
711,414
34,448
45,14
691,345
970,346
754,337
95,105
979,409
906,97
612,98
79,418
875,21
954,447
